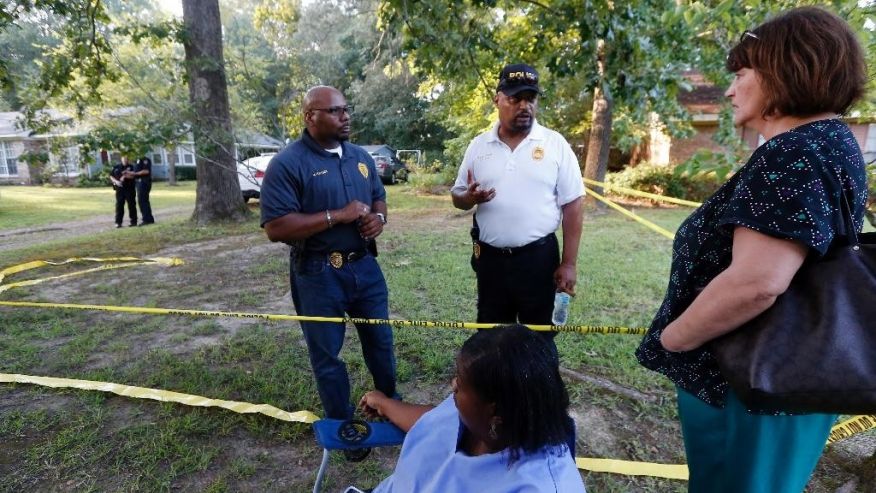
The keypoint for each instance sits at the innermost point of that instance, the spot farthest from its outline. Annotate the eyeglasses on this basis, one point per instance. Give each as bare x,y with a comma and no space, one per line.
336,110
748,34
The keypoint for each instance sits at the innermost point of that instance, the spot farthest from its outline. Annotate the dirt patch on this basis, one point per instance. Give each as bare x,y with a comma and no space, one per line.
249,273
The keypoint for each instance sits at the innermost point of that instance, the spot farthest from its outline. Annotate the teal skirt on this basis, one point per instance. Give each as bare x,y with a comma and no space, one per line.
731,450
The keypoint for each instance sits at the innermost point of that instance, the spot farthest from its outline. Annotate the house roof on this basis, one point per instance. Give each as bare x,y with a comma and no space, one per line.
704,97
9,125
256,139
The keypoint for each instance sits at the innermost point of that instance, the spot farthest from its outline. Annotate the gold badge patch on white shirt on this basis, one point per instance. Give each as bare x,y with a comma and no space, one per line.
538,153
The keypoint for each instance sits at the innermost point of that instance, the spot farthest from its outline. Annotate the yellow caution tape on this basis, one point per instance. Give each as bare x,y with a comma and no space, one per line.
852,426
128,262
581,329
31,282
162,395
42,263
843,430
632,216
596,465
638,193
631,468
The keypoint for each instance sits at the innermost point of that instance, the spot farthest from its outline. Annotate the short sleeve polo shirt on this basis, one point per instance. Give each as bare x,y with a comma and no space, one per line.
306,178
532,184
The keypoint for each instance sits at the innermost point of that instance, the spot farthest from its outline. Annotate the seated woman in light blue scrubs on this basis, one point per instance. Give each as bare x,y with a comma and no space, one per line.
504,428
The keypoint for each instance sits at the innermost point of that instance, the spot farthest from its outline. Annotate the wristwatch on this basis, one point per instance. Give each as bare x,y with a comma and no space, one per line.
382,217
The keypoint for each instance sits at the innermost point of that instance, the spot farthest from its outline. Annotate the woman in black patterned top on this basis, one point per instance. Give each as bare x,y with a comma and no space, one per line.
794,76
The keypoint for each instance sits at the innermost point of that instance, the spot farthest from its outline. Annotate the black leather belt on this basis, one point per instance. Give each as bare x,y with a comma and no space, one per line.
511,251
337,258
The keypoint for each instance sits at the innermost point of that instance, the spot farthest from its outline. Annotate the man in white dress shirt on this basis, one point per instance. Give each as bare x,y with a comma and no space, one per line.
525,181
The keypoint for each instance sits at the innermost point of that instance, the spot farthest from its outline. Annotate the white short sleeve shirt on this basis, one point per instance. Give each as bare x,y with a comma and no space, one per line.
532,184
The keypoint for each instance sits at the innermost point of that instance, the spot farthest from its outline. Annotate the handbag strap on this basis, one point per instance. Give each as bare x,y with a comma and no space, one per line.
849,226
847,219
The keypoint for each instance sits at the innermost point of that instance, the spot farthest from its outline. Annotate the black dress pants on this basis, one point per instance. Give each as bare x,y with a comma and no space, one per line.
126,195
517,285
143,189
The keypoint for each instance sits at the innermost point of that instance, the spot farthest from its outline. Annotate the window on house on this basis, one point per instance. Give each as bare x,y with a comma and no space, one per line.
157,156
68,161
8,160
186,155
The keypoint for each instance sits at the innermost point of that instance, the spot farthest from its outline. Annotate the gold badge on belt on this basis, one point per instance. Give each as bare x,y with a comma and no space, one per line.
476,250
363,169
336,259
538,153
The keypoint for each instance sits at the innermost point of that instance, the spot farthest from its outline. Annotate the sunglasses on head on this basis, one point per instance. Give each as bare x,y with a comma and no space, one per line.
748,34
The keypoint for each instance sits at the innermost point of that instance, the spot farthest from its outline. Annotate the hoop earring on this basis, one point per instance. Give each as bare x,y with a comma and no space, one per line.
493,435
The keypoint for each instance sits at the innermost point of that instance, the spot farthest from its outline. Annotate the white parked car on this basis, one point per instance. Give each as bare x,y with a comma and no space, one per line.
250,173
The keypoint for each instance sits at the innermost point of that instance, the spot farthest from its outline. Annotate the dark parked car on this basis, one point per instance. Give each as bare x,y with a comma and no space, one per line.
390,169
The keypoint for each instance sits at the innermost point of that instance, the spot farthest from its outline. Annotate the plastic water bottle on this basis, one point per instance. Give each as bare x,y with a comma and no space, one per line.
561,308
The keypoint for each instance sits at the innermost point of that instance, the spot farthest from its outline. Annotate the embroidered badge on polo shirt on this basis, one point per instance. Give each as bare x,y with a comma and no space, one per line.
538,153
363,169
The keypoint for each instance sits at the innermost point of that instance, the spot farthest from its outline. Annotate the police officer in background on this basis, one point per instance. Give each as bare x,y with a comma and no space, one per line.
121,176
143,176
525,181
322,196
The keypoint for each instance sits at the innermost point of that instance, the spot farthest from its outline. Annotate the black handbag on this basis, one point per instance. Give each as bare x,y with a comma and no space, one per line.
814,350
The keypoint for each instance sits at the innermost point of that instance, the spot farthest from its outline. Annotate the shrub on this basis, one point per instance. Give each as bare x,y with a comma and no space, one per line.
435,177
662,180
184,173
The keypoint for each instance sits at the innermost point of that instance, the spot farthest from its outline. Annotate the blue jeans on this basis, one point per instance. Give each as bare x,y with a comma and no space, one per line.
358,289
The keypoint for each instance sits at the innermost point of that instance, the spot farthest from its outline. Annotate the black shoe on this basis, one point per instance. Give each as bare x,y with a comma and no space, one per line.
118,225
147,224
356,454
134,225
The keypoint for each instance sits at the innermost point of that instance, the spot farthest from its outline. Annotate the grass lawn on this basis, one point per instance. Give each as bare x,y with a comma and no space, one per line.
90,441
26,207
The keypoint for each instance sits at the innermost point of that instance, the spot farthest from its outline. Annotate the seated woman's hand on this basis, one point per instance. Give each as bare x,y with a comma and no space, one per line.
371,404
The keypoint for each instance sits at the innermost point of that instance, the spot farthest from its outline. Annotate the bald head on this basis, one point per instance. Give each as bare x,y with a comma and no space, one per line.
318,96
326,116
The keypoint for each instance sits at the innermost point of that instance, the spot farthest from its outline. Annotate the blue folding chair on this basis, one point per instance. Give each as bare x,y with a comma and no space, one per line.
352,434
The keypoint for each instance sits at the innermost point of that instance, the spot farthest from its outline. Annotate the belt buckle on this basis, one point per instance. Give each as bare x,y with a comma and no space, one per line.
336,259
507,250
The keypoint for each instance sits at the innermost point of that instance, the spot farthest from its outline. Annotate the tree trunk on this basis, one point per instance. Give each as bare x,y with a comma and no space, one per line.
599,142
171,171
218,191
600,138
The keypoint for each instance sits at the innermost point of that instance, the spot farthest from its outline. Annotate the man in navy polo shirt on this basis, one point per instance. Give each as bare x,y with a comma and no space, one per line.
322,196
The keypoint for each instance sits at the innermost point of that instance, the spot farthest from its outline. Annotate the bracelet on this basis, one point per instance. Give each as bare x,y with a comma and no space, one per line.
328,218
